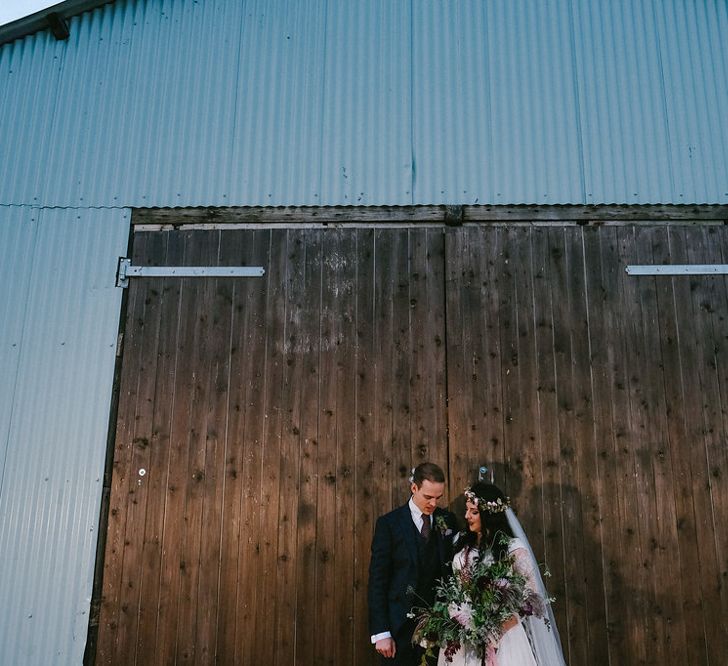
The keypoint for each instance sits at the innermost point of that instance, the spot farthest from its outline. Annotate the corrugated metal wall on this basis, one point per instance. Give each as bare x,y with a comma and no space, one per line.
273,102
59,313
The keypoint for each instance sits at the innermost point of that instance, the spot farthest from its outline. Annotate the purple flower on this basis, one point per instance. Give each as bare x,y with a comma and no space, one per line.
501,583
462,614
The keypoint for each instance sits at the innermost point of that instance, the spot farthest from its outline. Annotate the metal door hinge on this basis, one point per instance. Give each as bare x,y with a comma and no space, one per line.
125,271
678,269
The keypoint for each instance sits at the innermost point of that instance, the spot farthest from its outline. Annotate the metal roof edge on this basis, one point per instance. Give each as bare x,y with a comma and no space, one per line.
33,23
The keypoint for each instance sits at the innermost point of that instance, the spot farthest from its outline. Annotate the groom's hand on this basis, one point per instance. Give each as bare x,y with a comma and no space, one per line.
386,647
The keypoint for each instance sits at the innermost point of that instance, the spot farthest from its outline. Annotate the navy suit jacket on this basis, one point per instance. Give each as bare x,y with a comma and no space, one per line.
394,566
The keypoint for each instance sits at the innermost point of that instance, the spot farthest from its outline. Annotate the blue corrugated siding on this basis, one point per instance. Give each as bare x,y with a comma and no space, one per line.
653,101
283,102
59,315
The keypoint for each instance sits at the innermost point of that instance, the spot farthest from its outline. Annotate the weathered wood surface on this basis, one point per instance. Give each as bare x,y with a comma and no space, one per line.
624,480
435,215
275,418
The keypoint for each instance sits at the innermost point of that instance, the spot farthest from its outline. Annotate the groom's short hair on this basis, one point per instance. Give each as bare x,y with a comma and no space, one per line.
427,471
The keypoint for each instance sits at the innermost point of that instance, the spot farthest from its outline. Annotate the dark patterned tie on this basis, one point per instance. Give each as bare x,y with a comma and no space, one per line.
426,527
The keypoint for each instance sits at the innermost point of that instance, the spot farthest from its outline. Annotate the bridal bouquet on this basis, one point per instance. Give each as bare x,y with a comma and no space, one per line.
471,607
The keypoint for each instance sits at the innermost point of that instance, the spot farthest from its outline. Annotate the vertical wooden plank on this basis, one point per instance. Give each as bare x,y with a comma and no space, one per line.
178,457
715,250
667,611
366,499
586,455
332,261
269,490
562,274
642,407
137,484
708,417
487,260
680,604
344,507
634,457
431,327
677,353
247,643
400,448
514,416
193,621
519,369
427,415
202,251
458,349
290,405
554,554
604,311
159,442
306,548
386,252
213,482
689,324
627,499
240,244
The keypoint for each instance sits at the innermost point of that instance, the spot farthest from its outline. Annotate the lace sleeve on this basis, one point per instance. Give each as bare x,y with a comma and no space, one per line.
523,563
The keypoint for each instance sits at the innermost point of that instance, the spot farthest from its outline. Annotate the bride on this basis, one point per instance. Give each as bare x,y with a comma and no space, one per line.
524,641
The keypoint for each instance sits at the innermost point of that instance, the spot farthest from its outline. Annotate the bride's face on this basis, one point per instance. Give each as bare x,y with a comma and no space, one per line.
472,516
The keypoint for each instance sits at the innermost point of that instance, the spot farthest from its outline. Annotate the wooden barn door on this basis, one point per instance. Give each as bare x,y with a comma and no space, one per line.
602,400
263,425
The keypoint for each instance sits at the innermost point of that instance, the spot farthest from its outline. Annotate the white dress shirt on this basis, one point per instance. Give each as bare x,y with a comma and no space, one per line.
418,519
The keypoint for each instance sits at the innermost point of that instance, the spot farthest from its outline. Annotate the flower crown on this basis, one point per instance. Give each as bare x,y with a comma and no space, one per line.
494,506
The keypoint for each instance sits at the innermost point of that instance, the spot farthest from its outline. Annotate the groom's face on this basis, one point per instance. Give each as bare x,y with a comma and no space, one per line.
427,495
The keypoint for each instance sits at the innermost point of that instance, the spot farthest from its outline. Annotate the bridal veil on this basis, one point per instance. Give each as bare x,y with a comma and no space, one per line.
544,639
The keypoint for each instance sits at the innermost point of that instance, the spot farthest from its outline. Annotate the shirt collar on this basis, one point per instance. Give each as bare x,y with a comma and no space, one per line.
417,515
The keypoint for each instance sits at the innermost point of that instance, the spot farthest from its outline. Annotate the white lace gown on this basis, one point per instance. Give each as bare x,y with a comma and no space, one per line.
513,648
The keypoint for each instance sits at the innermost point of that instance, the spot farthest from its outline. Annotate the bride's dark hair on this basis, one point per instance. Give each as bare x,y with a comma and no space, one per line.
494,526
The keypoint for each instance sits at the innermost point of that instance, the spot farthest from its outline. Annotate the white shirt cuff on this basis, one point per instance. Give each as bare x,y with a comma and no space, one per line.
379,637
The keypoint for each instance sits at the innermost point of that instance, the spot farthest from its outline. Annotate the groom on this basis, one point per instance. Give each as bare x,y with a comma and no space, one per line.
411,550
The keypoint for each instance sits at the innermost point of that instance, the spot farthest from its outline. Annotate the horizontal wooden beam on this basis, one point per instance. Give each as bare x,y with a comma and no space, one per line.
292,215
